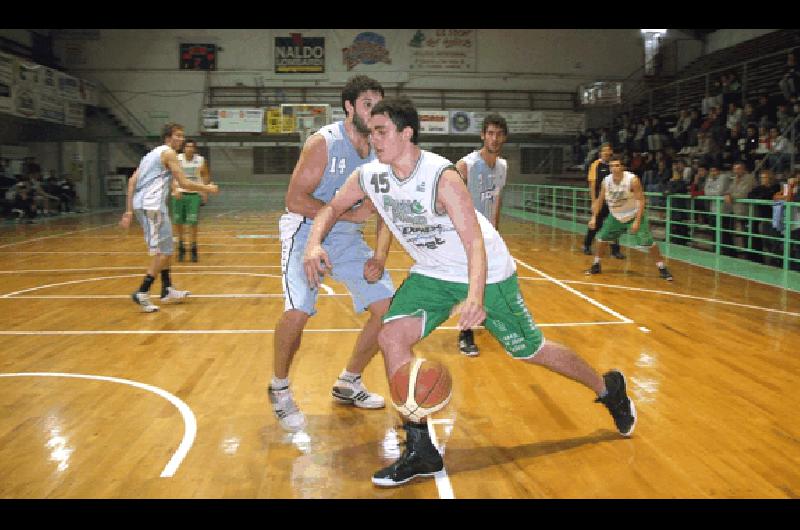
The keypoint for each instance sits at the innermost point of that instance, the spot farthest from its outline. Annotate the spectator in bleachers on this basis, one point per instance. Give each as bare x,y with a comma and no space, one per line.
784,116
697,189
732,91
765,191
780,152
713,96
751,146
749,115
676,185
640,139
717,185
655,141
764,111
24,206
741,185
637,164
67,193
694,126
681,133
790,82
734,117
46,203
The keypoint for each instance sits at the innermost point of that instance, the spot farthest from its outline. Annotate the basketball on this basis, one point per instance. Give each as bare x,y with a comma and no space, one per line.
420,388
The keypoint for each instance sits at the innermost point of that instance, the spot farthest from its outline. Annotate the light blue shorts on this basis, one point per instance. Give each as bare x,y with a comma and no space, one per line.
157,231
348,253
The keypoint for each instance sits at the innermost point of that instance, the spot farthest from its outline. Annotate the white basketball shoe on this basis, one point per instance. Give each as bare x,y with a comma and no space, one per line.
285,409
175,296
356,394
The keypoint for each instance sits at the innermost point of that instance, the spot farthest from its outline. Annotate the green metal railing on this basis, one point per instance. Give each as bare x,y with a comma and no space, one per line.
701,230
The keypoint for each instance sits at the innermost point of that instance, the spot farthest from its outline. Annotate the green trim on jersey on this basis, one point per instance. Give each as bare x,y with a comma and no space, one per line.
507,317
613,228
435,193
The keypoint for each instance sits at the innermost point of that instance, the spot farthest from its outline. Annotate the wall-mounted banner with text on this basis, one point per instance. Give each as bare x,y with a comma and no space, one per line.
233,120
298,54
443,50
434,121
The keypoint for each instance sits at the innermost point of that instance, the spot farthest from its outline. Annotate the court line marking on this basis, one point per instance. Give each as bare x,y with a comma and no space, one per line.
189,420
682,295
328,290
576,292
87,252
175,267
252,331
443,485
56,235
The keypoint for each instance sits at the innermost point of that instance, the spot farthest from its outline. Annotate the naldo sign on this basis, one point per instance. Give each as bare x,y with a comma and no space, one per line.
299,54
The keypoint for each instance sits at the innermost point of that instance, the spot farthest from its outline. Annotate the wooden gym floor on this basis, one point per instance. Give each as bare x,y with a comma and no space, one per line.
100,400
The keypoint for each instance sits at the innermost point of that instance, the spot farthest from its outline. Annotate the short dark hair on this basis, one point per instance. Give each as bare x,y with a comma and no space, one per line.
357,85
189,141
616,157
169,128
402,112
496,120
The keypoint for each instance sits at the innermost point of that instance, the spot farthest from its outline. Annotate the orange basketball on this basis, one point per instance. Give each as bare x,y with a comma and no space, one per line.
431,388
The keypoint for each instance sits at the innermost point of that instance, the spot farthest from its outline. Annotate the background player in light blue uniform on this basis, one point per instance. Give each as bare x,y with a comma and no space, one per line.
485,174
329,156
148,190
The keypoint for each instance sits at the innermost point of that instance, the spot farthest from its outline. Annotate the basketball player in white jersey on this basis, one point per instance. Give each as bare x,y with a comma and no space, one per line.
185,203
461,264
485,175
622,191
148,190
327,159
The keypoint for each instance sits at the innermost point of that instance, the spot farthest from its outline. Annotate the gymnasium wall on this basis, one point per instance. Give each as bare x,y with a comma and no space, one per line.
141,66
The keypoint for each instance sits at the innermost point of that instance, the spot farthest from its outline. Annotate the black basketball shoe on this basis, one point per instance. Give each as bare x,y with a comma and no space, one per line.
466,343
420,459
594,269
587,250
181,251
194,252
665,274
616,252
617,402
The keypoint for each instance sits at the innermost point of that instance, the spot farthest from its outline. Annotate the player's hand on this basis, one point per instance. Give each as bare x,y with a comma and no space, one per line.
316,262
472,314
177,194
635,227
125,222
592,223
213,189
373,269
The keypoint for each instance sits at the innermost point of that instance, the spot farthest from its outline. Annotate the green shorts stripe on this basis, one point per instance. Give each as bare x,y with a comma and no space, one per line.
613,228
507,316
185,209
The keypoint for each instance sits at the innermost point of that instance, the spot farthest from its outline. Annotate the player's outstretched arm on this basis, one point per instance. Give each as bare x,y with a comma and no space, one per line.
374,267
457,202
315,259
170,160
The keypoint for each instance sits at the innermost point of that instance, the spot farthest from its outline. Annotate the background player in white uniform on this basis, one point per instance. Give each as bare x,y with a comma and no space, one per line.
148,190
185,203
485,174
458,258
622,191
327,159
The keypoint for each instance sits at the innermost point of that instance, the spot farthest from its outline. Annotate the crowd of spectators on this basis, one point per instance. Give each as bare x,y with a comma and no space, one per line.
723,147
28,195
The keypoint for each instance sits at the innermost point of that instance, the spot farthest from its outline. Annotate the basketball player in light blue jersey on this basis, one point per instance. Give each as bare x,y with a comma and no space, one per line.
148,191
461,266
327,159
485,175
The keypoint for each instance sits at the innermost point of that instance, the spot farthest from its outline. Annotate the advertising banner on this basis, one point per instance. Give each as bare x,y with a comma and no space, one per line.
298,54
26,102
6,80
434,121
51,108
69,87
49,81
249,120
443,50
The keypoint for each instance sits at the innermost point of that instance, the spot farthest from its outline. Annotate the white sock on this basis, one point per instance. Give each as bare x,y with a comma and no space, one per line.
279,383
349,376
660,264
596,259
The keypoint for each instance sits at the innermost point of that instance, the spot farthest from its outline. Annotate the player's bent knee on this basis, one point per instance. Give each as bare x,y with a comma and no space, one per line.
530,348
